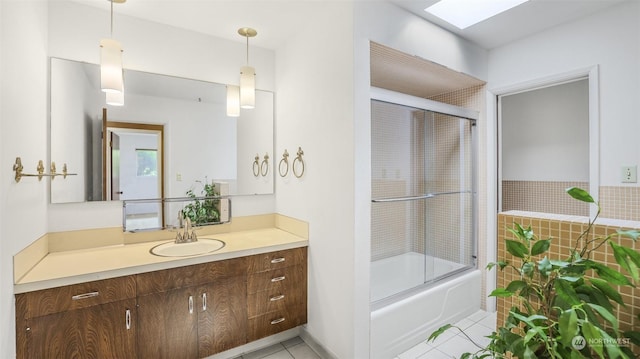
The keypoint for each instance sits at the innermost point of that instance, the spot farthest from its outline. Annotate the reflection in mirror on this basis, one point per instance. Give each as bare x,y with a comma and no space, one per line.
200,142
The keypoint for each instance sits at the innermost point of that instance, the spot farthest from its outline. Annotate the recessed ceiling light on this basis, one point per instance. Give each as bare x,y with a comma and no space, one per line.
464,13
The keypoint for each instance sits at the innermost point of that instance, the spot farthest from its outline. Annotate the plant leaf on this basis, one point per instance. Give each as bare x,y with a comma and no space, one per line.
529,354
500,264
607,290
516,248
580,194
544,266
516,285
633,336
632,233
608,274
622,258
528,269
568,325
530,334
566,292
437,333
501,292
593,337
540,247
607,315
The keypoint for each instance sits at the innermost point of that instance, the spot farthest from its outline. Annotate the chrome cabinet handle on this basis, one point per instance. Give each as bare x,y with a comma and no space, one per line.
276,298
190,304
127,319
277,279
276,321
204,302
278,260
85,295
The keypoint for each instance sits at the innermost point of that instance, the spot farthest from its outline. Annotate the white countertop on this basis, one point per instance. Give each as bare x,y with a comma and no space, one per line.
78,266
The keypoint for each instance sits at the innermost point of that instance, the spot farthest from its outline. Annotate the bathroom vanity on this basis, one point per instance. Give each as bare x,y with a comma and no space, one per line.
196,307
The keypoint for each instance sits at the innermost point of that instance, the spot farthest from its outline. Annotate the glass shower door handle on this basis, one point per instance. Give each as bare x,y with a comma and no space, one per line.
414,198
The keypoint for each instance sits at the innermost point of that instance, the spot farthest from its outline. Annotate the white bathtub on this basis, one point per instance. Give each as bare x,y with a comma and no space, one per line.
401,323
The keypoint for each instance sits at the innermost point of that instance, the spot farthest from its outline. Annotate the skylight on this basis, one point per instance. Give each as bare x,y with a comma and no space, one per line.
464,13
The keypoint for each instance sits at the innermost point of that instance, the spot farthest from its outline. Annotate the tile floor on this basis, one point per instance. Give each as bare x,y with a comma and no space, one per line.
452,343
449,345
294,348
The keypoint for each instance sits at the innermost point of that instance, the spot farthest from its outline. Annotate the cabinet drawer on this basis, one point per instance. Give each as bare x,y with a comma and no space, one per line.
276,260
271,301
77,296
174,278
275,322
278,280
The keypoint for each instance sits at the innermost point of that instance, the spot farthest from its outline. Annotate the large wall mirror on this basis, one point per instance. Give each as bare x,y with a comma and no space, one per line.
171,135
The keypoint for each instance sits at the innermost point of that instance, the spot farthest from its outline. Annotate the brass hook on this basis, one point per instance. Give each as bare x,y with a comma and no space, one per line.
285,160
301,161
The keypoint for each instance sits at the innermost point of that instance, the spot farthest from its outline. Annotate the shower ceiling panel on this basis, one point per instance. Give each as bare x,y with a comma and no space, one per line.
397,71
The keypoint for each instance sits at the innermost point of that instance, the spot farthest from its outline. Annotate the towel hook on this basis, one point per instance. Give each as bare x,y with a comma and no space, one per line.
301,161
264,167
285,161
256,166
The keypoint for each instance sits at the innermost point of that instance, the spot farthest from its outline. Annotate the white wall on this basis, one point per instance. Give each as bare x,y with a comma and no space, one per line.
149,47
314,104
394,27
610,39
545,134
23,117
323,106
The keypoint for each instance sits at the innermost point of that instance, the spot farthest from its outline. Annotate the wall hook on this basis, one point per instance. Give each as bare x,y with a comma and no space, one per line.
300,161
264,167
285,161
256,166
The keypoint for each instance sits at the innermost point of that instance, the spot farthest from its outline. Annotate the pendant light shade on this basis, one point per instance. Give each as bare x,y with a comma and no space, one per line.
115,98
247,74
233,101
111,66
247,87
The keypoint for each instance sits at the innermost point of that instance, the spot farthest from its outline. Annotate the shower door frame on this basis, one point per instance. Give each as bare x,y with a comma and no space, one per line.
384,95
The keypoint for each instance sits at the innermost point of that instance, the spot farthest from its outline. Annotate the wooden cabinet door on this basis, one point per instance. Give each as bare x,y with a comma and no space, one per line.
222,322
101,331
167,324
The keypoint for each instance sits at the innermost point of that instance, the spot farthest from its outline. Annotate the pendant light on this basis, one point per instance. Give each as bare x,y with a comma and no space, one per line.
233,101
247,74
115,98
111,61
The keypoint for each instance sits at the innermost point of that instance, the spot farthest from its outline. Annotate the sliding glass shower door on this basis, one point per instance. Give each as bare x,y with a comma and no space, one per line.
423,197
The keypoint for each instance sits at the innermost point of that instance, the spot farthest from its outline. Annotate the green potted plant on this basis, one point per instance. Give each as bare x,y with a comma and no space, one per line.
203,209
566,304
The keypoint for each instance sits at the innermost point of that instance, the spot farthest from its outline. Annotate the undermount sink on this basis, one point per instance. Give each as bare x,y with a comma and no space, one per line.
201,246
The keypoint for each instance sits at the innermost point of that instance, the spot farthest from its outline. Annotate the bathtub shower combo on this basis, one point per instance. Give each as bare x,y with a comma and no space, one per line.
423,219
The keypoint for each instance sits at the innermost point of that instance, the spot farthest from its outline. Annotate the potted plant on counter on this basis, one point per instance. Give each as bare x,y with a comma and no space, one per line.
567,305
203,209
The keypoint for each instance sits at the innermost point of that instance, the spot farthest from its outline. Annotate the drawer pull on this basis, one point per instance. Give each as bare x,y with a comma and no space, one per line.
276,321
85,295
190,304
204,302
127,319
277,279
278,260
277,298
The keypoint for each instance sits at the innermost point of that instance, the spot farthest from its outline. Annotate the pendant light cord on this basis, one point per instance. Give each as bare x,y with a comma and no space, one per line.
247,36
111,28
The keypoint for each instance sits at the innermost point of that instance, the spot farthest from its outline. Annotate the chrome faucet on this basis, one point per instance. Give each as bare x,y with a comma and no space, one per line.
188,234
